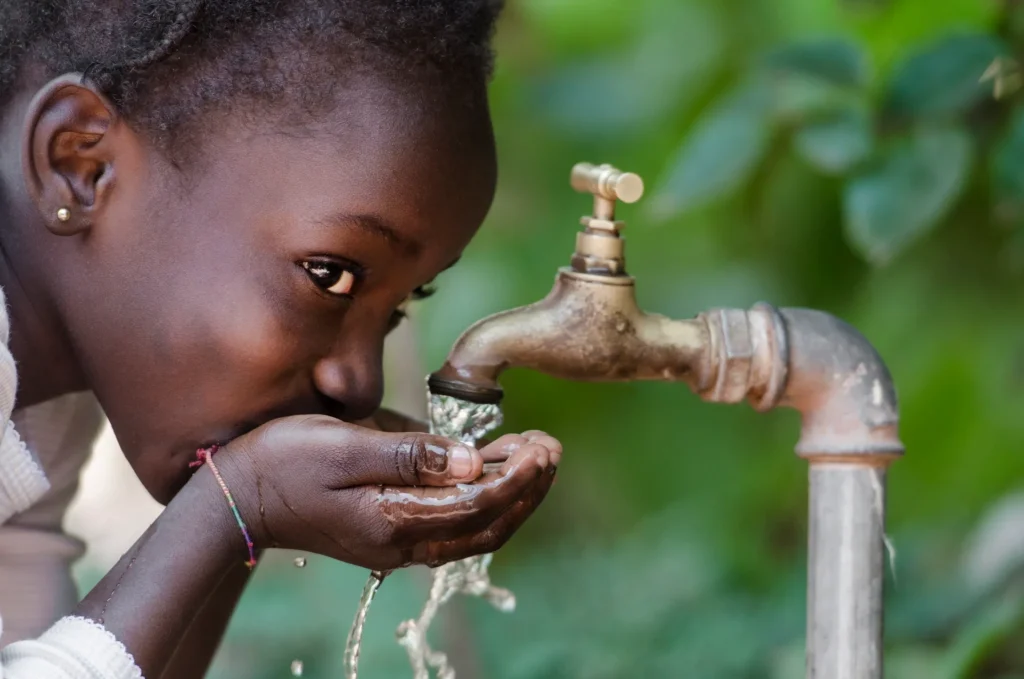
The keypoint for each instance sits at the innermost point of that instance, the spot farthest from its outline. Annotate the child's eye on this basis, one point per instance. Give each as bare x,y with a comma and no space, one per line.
423,292
401,313
331,276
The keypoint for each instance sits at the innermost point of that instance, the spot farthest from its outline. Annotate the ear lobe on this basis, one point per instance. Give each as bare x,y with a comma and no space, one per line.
68,154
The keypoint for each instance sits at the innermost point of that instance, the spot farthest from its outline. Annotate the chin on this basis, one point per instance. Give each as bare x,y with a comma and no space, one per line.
164,479
163,492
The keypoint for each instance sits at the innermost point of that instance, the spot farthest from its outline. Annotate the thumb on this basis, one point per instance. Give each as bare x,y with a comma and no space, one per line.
361,457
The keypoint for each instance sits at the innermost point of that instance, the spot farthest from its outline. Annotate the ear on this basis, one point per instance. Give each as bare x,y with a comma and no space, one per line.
69,151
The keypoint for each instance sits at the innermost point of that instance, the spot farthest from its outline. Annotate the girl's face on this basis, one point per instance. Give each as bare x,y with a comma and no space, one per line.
263,281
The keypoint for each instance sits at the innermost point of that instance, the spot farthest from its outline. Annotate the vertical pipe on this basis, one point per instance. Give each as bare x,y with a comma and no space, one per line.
846,568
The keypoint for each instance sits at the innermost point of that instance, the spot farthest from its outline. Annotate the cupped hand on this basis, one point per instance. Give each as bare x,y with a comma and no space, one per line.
384,500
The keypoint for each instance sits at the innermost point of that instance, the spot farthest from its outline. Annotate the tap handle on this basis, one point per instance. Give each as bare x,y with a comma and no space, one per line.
605,181
599,248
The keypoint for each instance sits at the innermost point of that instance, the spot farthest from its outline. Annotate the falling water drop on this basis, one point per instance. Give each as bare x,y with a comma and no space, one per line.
296,668
300,562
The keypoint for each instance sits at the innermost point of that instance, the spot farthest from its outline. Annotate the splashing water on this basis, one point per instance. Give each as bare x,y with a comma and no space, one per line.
469,577
466,422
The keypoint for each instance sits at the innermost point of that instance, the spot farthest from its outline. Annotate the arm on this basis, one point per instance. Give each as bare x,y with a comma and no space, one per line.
149,599
194,654
192,658
196,651
376,500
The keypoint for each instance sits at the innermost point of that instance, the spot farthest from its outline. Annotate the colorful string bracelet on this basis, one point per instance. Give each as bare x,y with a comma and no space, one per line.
205,456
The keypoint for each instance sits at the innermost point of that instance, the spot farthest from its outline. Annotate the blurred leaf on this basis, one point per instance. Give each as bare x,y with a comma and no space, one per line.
603,94
795,98
912,662
907,192
814,78
836,143
720,153
888,35
982,637
1007,172
944,78
837,61
574,26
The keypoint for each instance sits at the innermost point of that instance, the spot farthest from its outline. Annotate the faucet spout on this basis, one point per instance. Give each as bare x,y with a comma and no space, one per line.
589,328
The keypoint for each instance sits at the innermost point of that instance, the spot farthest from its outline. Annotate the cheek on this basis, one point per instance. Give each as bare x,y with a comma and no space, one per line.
199,351
253,333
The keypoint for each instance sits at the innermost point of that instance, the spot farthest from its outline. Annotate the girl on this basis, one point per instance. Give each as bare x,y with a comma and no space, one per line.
211,214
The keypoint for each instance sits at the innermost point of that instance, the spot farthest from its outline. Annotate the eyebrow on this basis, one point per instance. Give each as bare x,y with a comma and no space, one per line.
374,225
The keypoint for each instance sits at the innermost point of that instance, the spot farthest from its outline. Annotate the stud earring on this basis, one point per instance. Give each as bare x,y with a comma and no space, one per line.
63,214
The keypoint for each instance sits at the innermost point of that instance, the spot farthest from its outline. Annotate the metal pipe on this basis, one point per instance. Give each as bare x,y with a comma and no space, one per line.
849,436
845,571
822,367
590,328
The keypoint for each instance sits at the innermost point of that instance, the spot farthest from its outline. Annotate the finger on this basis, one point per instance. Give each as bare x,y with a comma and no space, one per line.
544,446
553,445
502,448
357,456
494,536
418,514
549,441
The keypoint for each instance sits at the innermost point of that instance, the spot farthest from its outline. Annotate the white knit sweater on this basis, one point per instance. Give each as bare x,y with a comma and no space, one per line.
73,648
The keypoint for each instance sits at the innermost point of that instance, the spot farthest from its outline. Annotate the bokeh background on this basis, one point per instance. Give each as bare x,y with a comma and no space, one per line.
864,157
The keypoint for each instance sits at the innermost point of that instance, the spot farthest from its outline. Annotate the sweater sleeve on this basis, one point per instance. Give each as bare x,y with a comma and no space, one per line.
74,648
22,481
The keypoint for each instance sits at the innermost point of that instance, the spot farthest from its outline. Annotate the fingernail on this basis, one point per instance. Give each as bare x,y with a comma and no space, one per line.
460,462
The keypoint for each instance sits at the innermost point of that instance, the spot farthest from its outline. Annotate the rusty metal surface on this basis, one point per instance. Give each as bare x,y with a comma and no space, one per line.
841,387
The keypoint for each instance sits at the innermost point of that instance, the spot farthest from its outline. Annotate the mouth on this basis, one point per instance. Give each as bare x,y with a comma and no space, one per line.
218,438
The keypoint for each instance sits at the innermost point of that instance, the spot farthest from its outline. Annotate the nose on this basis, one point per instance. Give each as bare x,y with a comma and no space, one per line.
352,378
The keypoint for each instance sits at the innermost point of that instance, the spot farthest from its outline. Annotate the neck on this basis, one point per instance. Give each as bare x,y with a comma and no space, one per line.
47,367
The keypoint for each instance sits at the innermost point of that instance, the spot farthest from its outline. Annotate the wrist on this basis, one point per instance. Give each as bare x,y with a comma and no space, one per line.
202,505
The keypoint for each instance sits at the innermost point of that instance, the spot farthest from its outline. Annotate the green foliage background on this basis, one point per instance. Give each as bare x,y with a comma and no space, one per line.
839,155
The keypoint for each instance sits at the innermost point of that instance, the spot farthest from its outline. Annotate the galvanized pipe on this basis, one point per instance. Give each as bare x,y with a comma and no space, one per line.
845,571
817,364
849,436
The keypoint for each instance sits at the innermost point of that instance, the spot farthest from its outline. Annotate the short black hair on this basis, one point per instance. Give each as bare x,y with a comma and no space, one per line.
162,62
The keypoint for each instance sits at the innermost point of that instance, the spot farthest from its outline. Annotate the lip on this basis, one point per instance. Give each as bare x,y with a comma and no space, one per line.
221,437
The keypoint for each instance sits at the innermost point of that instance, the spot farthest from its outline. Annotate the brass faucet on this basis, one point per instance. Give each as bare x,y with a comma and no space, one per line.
589,328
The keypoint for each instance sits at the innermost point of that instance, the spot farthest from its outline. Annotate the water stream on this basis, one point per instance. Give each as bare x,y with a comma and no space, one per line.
355,635
467,422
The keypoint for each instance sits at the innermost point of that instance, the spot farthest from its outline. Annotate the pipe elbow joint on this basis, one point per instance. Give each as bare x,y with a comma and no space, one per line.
842,388
810,361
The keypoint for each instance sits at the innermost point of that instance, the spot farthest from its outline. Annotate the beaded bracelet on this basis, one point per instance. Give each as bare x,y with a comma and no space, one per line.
205,455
